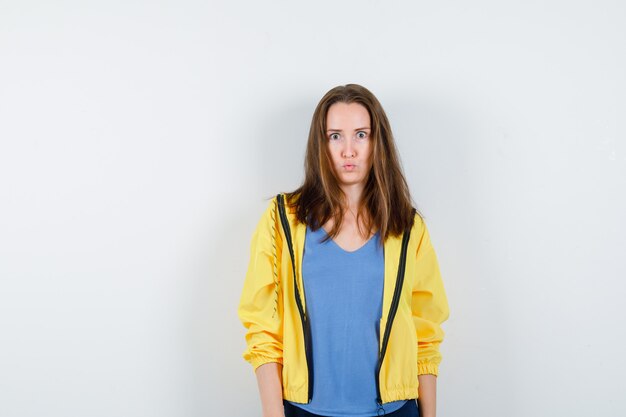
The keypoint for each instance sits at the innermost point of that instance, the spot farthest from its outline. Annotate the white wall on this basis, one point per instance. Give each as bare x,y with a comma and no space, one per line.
139,139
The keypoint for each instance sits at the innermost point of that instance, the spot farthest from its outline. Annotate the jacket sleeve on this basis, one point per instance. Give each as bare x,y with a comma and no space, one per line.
429,305
260,306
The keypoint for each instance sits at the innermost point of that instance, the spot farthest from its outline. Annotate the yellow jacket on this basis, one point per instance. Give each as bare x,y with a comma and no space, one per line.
273,309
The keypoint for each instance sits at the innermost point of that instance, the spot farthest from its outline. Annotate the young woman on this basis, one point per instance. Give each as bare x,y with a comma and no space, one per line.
343,299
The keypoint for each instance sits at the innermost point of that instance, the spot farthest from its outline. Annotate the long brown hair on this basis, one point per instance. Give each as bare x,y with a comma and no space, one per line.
386,200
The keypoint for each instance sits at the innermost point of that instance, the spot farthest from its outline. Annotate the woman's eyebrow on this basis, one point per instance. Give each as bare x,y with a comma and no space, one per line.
340,130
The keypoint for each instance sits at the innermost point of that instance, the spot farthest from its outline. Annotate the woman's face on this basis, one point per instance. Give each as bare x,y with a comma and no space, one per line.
348,132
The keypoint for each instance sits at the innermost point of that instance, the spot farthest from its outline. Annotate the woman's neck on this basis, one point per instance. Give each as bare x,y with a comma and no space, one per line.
353,194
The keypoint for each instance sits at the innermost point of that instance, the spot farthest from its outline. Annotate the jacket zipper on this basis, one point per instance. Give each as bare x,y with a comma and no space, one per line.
306,328
392,314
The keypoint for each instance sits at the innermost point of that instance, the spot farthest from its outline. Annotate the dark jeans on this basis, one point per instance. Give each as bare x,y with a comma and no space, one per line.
407,410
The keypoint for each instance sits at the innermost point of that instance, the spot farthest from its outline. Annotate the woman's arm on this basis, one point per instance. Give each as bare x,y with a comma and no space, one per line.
261,312
430,310
427,400
269,379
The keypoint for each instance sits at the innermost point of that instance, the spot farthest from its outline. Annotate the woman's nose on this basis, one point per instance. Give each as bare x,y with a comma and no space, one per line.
348,150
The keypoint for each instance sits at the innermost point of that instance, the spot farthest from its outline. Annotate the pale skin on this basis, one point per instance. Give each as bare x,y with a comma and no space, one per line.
350,149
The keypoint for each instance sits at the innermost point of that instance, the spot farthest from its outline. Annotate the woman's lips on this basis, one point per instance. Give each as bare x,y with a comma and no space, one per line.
349,167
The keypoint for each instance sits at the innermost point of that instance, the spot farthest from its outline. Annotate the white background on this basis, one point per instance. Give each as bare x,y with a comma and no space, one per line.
139,141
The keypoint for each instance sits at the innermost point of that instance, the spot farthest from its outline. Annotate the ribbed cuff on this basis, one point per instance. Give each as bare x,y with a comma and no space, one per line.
258,360
427,368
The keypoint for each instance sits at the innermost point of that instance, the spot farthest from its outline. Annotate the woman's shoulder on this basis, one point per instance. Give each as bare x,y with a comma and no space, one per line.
285,197
277,203
419,223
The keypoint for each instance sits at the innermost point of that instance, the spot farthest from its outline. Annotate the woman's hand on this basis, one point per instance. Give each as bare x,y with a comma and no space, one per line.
427,391
271,389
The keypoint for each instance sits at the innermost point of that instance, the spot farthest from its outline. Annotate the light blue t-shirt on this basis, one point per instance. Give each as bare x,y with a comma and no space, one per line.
344,293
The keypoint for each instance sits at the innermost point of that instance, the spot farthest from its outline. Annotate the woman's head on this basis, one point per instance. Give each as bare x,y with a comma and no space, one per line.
350,127
349,145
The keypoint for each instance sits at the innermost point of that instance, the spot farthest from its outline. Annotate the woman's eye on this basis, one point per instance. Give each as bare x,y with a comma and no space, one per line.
361,135
334,136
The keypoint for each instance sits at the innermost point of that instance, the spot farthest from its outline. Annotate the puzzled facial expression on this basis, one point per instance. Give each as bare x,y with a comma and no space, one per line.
348,129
